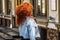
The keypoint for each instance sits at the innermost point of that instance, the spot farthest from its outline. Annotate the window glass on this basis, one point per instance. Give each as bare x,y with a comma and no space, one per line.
43,7
39,8
8,7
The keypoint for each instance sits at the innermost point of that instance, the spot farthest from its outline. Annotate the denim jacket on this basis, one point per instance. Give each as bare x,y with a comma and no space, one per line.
29,29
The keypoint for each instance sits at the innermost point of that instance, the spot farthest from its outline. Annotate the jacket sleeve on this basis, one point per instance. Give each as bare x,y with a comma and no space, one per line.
31,31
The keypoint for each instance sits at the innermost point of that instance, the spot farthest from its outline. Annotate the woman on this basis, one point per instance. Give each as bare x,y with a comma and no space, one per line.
28,28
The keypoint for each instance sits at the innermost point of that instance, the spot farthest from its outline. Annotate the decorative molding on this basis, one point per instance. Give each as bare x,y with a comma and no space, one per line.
52,34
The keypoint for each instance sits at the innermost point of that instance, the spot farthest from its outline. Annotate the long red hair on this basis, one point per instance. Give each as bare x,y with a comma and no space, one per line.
23,11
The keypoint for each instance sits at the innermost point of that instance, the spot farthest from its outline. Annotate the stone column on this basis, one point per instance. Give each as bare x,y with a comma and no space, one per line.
12,13
13,7
3,7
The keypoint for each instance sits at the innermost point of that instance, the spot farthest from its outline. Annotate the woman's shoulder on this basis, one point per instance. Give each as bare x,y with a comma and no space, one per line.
31,21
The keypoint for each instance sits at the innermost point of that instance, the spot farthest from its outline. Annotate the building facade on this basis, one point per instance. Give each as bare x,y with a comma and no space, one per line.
42,11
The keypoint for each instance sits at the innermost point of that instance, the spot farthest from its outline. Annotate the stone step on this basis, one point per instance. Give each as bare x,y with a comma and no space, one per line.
5,36
1,38
8,37
8,31
12,33
13,29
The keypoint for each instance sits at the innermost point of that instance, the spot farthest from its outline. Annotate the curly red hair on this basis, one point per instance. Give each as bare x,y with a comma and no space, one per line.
23,11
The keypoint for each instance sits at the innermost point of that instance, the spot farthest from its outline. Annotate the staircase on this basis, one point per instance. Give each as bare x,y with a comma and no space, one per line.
9,34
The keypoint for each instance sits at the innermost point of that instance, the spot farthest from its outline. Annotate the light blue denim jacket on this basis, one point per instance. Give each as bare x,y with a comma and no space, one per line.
29,29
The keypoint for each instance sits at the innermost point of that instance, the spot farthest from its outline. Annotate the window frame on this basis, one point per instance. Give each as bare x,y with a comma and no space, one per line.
46,11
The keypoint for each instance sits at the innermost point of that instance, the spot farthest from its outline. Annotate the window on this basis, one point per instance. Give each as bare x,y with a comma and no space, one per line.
34,7
40,11
8,7
18,2
40,8
43,7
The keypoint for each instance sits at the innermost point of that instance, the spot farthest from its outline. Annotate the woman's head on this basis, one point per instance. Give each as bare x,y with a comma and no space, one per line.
23,11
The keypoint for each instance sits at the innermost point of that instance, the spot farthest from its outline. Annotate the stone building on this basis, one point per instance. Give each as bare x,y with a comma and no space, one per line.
43,9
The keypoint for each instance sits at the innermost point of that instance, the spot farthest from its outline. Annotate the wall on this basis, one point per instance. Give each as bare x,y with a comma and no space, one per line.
13,7
54,14
27,0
